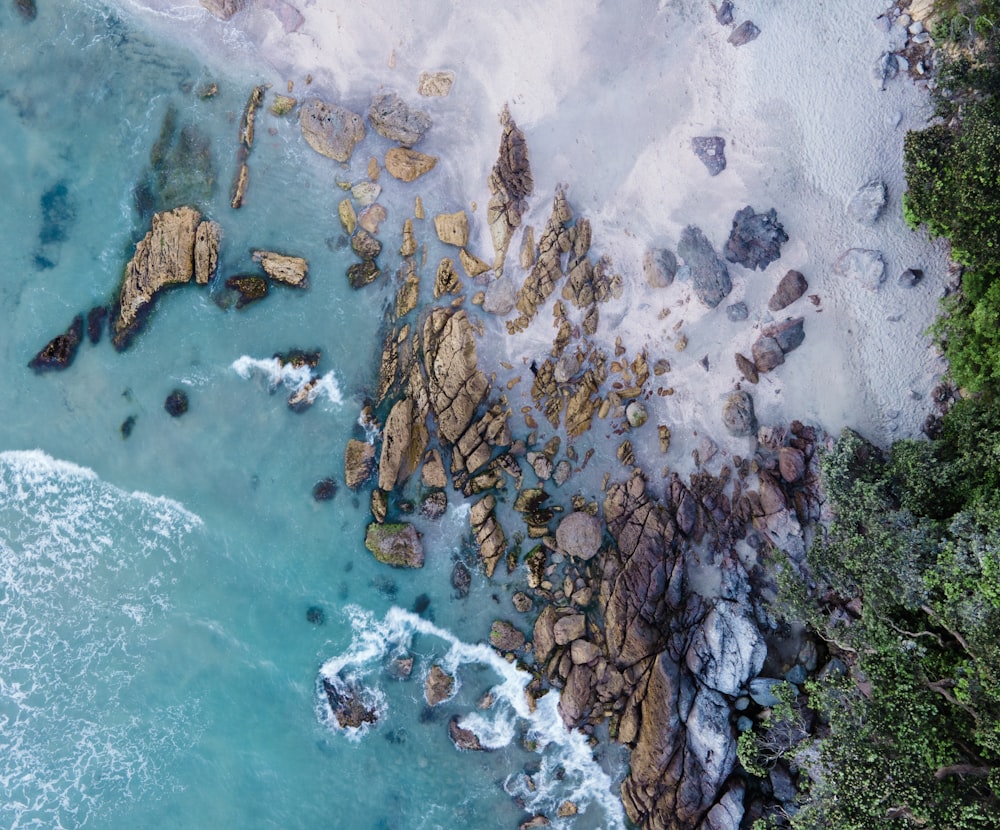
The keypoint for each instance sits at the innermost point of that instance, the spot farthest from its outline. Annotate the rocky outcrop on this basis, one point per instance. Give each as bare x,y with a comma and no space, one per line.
330,129
398,545
346,704
792,286
438,686
453,228
709,275
60,351
711,150
249,288
756,238
456,385
505,637
490,539
289,270
164,257
392,118
408,165
206,251
464,739
510,184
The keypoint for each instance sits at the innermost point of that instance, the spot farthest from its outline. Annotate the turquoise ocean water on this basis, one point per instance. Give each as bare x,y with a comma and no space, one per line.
157,667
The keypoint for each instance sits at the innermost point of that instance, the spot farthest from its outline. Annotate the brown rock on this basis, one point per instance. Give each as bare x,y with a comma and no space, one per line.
747,368
453,228
59,352
510,183
583,651
505,637
359,461
408,165
393,465
464,739
164,257
290,270
767,354
331,130
472,264
438,686
409,246
206,251
371,217
791,464
435,84
455,383
579,534
792,286
240,183
569,628
446,281
432,474
223,9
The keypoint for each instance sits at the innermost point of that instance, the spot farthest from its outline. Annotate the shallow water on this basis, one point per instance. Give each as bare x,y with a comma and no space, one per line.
157,665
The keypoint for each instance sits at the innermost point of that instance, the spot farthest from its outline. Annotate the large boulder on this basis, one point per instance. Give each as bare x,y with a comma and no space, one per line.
726,650
579,535
398,545
709,275
164,257
755,239
438,686
359,461
330,129
392,118
504,636
866,205
738,415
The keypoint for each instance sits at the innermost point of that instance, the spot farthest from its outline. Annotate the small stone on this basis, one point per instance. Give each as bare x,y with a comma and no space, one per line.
792,286
438,686
348,217
711,150
435,84
282,105
747,368
767,354
176,403
744,33
522,602
659,267
737,312
473,265
366,193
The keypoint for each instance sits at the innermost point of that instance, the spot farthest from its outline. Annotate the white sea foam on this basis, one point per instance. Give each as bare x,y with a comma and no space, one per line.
568,768
293,378
83,567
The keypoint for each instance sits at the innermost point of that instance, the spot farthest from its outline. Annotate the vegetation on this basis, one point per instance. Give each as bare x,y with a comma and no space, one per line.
953,180
907,595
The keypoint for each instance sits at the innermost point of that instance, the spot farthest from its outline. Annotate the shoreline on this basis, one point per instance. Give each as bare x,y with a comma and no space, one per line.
711,502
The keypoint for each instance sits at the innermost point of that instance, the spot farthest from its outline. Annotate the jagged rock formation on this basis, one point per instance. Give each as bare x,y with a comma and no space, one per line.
59,352
165,256
510,184
756,238
709,275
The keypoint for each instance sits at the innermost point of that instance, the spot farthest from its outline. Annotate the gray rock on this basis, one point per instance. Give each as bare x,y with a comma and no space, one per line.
709,274
738,416
792,286
762,691
789,334
579,535
744,724
569,628
737,312
910,277
862,266
885,69
742,703
331,130
782,785
712,152
726,649
866,205
392,118
501,294
796,675
727,814
505,637
756,238
659,267
744,33
835,668
724,13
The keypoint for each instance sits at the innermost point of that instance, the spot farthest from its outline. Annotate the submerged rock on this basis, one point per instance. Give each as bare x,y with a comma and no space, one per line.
712,152
756,238
359,462
176,403
392,118
709,275
330,129
397,544
325,489
249,287
59,352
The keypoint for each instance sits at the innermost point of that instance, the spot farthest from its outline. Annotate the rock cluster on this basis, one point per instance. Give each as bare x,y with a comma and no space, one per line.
776,341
